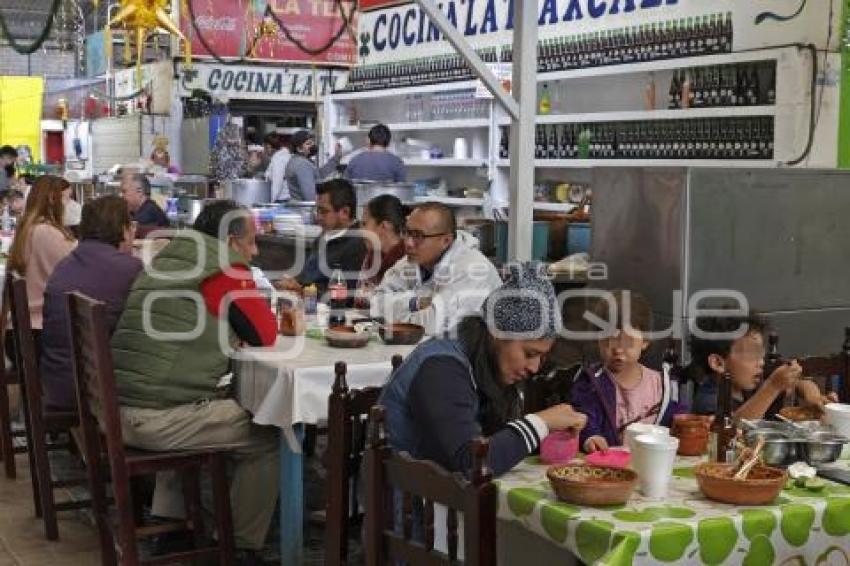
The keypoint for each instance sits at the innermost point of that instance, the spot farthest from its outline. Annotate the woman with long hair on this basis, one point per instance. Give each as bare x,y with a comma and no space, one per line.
41,241
452,390
383,218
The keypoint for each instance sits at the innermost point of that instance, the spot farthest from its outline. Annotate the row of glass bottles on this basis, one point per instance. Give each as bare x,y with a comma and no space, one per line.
720,138
690,37
727,85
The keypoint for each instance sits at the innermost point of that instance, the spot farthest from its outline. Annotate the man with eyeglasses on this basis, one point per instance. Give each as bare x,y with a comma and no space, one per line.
442,278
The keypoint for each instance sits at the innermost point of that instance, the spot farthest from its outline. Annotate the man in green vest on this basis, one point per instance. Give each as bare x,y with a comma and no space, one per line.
191,306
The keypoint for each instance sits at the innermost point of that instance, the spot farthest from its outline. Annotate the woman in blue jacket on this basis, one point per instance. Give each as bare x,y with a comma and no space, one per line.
452,390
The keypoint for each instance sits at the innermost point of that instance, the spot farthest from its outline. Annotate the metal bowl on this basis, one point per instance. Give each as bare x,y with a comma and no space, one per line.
779,448
822,448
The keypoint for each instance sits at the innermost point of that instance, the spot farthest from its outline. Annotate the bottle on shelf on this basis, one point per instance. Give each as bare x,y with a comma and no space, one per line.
545,105
687,98
504,147
564,143
674,98
722,431
539,143
552,143
770,94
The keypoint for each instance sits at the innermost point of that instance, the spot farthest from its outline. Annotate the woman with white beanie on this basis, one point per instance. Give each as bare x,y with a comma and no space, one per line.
454,389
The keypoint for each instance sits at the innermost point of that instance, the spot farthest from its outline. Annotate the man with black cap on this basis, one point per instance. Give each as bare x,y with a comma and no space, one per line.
302,174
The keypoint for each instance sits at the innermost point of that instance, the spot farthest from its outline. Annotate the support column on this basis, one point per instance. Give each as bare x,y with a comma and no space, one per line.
522,131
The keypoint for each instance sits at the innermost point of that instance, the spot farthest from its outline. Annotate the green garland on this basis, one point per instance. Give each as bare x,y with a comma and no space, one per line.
32,47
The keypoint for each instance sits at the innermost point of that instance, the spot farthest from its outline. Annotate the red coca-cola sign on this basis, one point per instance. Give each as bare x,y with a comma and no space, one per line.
232,29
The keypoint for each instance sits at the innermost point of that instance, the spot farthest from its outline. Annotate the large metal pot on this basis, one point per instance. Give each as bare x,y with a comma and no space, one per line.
247,191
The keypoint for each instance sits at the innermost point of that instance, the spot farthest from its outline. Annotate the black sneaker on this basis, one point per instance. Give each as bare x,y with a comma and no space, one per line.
170,543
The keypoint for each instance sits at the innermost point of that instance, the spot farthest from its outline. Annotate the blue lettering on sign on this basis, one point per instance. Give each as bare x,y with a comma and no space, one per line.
573,11
395,30
550,11
452,14
380,44
408,38
615,7
412,27
227,81
239,81
596,10
215,76
488,24
262,82
471,28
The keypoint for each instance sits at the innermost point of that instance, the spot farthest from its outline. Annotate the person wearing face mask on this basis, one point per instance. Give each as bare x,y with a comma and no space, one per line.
302,174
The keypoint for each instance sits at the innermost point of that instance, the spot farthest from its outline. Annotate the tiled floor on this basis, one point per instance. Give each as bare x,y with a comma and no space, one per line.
22,541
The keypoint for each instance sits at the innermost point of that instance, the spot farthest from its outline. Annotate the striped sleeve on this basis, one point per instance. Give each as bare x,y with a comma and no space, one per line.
526,430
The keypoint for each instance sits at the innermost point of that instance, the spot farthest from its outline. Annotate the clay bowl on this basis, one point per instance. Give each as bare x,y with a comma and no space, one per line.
346,337
401,333
761,487
800,414
592,485
692,432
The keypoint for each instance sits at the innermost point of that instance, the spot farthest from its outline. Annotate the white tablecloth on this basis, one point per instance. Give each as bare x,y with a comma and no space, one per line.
290,382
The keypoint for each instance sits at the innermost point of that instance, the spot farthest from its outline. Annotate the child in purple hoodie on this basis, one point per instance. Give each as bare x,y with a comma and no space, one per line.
621,391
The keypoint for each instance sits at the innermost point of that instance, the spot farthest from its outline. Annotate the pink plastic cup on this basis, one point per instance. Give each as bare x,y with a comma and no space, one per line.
559,447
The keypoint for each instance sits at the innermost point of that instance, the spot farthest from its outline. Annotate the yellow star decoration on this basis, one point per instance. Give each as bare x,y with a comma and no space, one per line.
140,18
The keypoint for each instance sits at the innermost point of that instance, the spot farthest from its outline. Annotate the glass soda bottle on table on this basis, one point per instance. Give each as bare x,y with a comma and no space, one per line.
338,298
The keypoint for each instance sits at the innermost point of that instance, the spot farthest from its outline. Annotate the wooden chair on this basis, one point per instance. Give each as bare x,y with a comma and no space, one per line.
40,423
99,417
9,378
348,411
419,485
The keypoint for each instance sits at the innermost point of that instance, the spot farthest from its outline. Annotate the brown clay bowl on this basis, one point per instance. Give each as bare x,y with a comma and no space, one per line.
592,485
401,333
346,337
692,432
761,487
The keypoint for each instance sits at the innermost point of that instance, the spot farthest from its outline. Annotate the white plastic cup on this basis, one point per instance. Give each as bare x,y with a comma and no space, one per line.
652,459
461,149
635,429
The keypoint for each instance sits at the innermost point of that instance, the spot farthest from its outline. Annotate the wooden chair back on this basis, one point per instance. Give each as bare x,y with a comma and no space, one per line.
400,486
8,376
97,402
348,412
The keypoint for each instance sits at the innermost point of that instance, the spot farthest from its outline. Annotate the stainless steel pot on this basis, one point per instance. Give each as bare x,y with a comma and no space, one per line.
779,449
822,448
247,191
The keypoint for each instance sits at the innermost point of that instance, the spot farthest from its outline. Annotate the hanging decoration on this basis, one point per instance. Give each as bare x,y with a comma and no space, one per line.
139,19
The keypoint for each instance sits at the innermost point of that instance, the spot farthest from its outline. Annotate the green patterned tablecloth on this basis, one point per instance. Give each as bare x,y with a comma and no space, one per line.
801,528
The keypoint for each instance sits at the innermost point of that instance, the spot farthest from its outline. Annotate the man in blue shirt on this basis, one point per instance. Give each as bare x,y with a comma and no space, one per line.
377,163
136,190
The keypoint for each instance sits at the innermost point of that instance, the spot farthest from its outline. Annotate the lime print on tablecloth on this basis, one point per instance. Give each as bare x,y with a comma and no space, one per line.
802,526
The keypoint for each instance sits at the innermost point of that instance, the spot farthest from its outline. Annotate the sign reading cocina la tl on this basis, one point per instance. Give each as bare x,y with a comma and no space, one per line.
261,82
405,32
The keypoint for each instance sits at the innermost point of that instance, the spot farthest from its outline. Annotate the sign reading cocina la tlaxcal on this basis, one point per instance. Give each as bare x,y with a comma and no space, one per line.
405,32
296,84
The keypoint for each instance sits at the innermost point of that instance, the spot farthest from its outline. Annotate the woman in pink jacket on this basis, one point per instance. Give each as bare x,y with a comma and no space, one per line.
41,241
